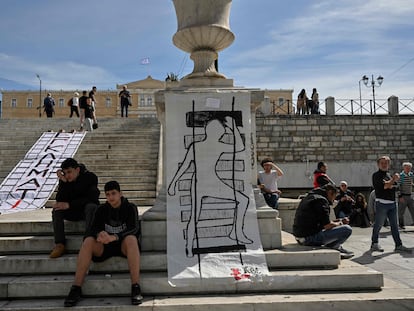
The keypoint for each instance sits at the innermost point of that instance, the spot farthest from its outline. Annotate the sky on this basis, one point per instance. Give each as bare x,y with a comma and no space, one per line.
323,44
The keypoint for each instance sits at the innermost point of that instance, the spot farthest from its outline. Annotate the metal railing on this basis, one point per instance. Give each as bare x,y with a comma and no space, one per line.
349,107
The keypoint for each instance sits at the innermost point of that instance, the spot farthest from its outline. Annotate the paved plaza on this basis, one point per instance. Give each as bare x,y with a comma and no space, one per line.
397,267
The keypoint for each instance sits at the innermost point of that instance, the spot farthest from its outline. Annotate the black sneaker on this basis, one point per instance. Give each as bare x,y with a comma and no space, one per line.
345,254
74,296
136,297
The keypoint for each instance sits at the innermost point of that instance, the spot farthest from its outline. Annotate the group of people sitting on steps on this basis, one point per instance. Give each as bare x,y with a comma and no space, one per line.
313,225
113,229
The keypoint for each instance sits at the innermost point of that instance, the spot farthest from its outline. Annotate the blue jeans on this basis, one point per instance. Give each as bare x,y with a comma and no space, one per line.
382,212
272,199
332,238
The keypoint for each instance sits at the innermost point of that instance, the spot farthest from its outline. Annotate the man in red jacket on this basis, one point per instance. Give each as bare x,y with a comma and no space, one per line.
320,178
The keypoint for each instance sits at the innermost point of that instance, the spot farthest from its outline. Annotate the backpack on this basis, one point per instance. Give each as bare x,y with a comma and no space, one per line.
70,102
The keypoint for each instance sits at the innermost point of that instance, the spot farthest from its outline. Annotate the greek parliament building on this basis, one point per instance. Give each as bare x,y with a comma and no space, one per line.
25,104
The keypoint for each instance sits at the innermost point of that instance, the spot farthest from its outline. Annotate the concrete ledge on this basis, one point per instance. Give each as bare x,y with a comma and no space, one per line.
287,210
388,299
288,258
347,277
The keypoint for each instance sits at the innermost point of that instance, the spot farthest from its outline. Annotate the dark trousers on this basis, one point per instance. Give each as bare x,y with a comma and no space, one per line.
272,199
124,106
59,217
74,109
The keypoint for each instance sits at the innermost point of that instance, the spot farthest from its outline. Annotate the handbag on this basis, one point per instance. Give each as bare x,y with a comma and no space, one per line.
95,125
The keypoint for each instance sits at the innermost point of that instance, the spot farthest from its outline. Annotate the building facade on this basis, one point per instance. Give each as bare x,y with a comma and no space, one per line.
28,104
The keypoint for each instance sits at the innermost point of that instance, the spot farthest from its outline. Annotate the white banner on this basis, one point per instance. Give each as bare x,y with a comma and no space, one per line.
31,183
212,229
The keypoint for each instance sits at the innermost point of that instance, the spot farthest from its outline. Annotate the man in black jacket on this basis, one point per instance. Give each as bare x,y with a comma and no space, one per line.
385,205
115,232
77,199
312,225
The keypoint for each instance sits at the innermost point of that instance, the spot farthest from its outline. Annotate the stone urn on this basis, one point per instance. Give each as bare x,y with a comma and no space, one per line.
203,30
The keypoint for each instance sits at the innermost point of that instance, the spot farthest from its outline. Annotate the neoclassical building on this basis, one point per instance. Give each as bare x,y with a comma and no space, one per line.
25,104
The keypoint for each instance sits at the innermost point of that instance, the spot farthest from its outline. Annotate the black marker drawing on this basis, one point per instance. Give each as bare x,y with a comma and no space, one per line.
214,218
32,181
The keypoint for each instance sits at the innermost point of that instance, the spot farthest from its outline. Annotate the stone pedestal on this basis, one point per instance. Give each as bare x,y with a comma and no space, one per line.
393,105
330,106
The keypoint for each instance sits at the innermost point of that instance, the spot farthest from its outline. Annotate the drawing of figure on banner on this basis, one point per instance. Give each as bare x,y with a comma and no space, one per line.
210,183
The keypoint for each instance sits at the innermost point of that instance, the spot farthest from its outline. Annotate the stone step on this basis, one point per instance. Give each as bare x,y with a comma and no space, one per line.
123,151
100,171
42,244
129,185
36,236
130,180
145,202
39,222
119,159
387,299
130,194
127,135
347,277
40,264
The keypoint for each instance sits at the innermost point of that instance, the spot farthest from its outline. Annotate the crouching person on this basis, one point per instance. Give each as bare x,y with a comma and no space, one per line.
312,225
115,232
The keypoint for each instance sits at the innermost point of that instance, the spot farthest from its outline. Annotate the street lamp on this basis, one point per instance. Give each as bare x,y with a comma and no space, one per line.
373,84
40,97
360,96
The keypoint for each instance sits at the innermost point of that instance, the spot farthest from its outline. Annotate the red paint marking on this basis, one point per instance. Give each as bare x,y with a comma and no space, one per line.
17,203
236,273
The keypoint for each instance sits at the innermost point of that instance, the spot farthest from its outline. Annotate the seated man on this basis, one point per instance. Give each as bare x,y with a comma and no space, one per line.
267,181
345,200
312,225
115,232
77,199
320,177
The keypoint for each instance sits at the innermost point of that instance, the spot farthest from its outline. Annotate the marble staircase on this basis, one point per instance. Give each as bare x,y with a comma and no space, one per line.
127,150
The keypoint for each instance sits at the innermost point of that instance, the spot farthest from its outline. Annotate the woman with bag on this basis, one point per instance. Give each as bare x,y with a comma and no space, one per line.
90,118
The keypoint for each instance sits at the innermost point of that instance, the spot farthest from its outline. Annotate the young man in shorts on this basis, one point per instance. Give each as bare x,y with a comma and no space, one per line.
115,232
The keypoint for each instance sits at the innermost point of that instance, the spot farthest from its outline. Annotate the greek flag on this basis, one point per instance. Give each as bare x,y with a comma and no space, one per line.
145,61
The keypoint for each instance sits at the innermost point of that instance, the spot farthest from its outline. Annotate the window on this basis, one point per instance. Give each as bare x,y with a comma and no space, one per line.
108,102
149,101
14,103
61,102
142,100
281,101
30,103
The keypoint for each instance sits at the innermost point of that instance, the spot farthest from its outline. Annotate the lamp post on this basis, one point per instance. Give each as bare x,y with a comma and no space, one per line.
40,96
360,96
373,83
